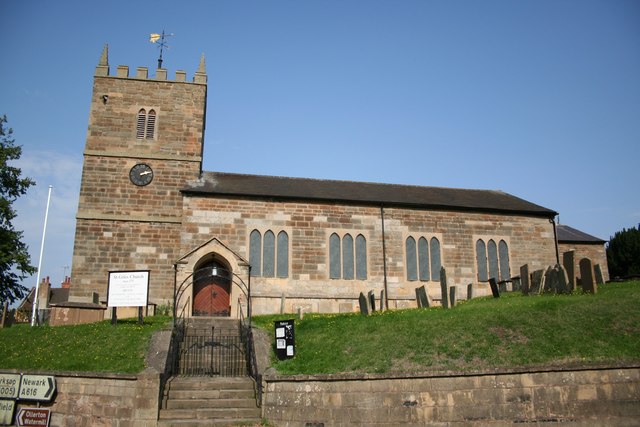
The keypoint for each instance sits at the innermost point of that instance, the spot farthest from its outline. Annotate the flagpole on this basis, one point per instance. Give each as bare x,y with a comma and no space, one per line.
44,232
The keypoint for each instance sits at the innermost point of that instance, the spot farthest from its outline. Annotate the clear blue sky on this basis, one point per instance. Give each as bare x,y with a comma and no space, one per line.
538,98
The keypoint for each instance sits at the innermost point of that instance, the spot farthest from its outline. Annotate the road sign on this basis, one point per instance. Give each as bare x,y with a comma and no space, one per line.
37,387
9,385
6,412
33,417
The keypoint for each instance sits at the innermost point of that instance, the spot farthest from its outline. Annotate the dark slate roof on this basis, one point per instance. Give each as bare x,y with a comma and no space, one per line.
364,193
568,234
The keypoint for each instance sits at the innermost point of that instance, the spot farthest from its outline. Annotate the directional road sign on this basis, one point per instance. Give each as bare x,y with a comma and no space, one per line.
33,417
37,387
9,385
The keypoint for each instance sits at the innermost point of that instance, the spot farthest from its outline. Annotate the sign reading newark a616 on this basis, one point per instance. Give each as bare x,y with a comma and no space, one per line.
37,387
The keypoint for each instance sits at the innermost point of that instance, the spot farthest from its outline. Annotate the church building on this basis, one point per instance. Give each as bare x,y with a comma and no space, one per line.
215,238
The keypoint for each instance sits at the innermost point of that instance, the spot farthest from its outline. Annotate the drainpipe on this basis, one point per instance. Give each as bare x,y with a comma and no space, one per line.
384,261
555,239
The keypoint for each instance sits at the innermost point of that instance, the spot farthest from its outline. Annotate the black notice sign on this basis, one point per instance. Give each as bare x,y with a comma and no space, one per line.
285,339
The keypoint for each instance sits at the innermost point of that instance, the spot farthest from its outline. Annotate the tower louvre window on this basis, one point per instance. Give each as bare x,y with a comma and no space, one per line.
146,124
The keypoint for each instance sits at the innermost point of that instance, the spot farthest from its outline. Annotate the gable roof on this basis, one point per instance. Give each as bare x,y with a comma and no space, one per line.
568,234
363,193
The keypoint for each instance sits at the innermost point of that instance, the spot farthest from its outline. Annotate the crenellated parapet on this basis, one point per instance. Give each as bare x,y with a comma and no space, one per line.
142,73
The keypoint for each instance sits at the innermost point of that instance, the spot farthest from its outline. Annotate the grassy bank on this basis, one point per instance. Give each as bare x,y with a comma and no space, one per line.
95,347
484,333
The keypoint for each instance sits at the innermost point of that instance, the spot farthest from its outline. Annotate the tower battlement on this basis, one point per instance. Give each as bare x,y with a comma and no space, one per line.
142,73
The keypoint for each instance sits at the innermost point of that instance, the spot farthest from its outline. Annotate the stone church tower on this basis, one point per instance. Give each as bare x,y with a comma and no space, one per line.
144,143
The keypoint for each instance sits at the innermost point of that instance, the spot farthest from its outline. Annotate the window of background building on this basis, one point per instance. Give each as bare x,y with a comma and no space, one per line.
492,260
347,258
269,254
423,258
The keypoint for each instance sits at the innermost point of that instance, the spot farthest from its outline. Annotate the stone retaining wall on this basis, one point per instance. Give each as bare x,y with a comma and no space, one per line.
593,397
90,400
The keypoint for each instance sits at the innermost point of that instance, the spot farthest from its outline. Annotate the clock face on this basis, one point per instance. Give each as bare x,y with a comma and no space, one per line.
141,174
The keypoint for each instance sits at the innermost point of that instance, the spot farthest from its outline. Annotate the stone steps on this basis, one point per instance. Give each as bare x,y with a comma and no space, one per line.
212,401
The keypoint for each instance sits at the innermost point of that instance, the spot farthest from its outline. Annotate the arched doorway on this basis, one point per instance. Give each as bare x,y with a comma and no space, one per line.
211,289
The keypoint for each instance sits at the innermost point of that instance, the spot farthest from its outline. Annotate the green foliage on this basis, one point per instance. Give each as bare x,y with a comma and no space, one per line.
93,347
485,333
14,256
623,253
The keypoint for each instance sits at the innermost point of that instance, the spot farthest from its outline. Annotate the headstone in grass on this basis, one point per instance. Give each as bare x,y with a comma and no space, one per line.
525,279
444,289
382,300
422,297
372,301
452,296
494,287
502,286
569,263
470,291
536,282
586,276
515,283
548,280
598,272
364,305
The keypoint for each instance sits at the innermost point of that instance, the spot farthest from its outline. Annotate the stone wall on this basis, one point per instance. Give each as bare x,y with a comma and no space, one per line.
595,252
309,226
95,400
589,397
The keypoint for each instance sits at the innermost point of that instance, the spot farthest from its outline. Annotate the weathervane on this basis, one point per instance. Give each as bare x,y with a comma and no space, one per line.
154,37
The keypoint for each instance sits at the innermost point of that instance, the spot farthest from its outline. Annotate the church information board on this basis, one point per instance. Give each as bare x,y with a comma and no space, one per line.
128,288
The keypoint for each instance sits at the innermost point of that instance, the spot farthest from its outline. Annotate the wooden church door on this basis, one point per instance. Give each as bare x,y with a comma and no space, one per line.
211,290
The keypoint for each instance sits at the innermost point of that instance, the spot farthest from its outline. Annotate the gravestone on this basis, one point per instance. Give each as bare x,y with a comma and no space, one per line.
300,313
502,286
422,297
452,296
282,303
471,291
515,283
569,263
494,287
372,301
548,281
382,301
598,272
537,282
364,304
586,276
525,279
556,280
444,289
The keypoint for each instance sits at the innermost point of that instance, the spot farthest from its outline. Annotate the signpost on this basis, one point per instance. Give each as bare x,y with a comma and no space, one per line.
33,417
37,387
15,387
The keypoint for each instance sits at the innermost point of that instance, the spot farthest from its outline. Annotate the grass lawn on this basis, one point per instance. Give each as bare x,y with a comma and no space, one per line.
94,347
485,333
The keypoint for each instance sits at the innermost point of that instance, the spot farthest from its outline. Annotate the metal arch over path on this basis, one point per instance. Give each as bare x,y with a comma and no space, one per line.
213,272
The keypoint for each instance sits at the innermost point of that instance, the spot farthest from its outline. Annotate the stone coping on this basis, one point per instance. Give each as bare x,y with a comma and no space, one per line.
74,374
274,377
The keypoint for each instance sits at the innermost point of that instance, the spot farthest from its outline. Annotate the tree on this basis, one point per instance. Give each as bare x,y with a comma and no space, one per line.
623,253
15,262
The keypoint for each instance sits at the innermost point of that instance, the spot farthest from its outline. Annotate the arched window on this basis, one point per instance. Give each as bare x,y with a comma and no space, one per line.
412,266
481,260
436,263
283,255
423,261
492,260
335,257
255,253
347,258
146,124
361,257
269,257
268,254
492,254
503,253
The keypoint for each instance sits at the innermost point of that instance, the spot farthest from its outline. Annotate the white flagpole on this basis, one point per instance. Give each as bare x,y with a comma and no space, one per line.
44,232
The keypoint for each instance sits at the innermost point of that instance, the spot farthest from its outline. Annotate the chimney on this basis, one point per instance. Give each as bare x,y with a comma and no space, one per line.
66,283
